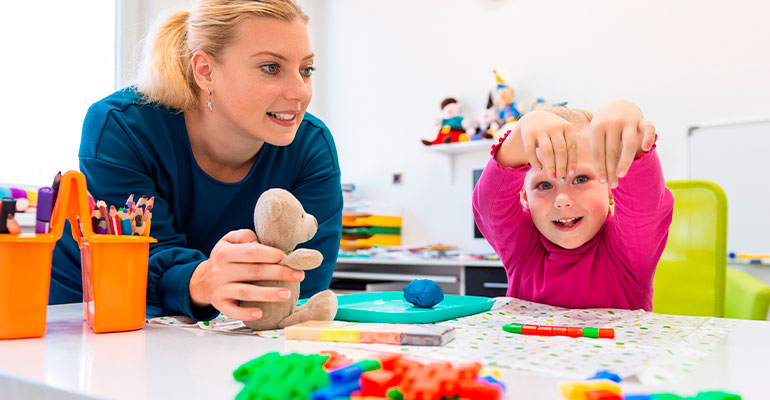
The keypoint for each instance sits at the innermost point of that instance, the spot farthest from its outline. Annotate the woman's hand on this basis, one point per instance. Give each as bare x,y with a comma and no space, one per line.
237,259
619,134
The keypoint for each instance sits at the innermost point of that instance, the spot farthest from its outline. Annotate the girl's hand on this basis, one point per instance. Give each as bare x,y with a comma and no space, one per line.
237,259
619,134
554,138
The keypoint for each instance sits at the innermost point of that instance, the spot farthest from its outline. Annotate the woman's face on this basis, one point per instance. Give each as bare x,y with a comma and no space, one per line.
262,79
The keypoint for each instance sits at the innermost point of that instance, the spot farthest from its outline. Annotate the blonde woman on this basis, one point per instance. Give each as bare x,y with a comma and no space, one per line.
218,117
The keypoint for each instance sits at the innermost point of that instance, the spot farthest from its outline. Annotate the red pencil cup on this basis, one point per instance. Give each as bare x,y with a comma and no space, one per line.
114,281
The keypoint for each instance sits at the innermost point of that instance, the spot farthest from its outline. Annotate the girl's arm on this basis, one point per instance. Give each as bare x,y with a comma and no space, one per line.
497,208
622,145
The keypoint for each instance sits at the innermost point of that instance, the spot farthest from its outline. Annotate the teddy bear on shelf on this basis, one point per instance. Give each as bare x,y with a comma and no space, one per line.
452,124
487,123
505,101
281,222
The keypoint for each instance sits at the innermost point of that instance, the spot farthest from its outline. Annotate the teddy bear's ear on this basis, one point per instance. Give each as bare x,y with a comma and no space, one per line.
274,210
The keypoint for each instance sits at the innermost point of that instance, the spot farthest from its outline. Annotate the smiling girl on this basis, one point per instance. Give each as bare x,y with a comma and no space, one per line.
218,117
544,204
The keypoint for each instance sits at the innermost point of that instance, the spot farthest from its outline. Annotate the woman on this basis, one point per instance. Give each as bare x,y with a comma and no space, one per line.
217,118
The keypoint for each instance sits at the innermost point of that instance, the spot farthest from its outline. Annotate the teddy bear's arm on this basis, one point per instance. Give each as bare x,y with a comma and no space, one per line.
303,259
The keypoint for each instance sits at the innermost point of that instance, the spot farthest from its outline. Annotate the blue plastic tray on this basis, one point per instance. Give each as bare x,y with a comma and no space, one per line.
391,307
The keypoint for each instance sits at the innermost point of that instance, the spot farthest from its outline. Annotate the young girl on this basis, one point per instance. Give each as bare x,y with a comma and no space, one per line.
544,203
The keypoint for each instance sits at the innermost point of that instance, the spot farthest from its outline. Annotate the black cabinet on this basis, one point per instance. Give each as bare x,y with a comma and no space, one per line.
486,281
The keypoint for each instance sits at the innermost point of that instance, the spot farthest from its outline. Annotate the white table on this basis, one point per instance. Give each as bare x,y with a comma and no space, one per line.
159,362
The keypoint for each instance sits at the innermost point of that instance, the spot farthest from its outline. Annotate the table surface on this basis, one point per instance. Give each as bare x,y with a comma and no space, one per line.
159,362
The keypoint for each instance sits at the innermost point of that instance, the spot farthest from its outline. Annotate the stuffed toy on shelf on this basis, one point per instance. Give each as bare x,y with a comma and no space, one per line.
452,125
505,101
281,222
487,122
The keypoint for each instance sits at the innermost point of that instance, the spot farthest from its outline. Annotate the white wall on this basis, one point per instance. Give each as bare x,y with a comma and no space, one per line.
384,66
135,19
58,58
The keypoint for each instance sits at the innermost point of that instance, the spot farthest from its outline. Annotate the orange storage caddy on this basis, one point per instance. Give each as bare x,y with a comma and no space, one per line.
114,271
25,275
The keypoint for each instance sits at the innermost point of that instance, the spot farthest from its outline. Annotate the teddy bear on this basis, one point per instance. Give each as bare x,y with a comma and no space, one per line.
281,222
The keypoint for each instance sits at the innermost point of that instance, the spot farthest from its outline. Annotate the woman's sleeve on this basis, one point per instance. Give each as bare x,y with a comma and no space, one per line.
117,164
318,189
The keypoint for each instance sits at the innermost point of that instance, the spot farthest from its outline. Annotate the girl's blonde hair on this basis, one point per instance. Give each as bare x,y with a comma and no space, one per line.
577,117
166,75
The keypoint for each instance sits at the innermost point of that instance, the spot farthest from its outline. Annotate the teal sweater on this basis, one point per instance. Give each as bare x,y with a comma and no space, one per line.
129,147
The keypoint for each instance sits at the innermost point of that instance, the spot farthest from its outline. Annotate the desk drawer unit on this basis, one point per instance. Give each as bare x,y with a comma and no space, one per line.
486,281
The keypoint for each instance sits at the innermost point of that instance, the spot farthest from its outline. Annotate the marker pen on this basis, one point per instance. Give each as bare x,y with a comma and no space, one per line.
8,207
44,204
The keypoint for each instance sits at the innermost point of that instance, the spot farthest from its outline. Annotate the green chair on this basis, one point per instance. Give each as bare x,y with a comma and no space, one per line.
747,297
690,279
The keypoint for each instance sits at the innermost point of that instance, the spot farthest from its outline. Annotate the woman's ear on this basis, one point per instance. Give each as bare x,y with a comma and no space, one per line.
202,68
523,199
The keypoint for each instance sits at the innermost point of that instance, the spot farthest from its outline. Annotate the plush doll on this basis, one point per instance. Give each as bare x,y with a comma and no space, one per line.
487,123
452,124
505,101
281,222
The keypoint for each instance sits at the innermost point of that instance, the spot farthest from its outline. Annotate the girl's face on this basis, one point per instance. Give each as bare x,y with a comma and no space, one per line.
262,79
567,212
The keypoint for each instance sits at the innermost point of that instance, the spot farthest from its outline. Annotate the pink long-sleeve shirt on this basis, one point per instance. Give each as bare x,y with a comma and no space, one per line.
614,269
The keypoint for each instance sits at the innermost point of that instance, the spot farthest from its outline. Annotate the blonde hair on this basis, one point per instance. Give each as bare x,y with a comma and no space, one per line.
579,118
166,74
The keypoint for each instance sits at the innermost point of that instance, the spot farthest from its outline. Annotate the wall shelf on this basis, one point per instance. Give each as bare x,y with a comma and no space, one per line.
462,147
451,149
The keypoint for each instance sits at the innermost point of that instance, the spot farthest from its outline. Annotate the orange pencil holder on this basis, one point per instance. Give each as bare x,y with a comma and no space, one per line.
25,275
114,271
114,281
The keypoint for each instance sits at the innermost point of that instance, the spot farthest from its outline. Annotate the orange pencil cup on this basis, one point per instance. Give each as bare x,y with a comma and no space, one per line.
114,281
114,267
114,270
25,276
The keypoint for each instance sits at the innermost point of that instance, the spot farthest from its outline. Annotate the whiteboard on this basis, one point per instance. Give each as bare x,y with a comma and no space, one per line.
736,155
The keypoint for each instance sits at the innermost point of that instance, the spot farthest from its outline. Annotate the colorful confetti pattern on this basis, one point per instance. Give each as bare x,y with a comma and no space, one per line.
656,348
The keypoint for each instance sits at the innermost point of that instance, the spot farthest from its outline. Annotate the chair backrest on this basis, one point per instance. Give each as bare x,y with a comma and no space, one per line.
690,279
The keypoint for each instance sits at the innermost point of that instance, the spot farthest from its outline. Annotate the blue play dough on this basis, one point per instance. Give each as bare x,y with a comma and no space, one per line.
423,293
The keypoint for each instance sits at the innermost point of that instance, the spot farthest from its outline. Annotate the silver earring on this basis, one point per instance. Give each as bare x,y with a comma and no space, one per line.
208,104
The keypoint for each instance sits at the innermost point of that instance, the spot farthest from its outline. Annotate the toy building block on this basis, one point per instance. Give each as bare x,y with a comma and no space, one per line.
377,382
273,376
472,389
493,382
334,391
577,390
709,395
353,372
604,374
335,360
602,395
716,395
